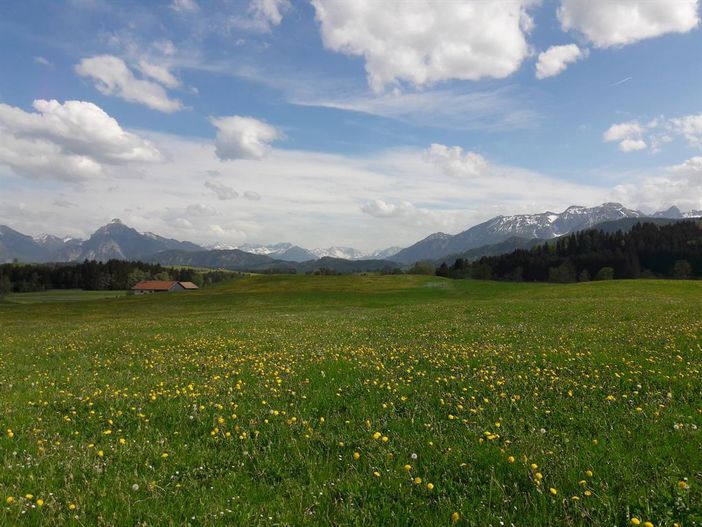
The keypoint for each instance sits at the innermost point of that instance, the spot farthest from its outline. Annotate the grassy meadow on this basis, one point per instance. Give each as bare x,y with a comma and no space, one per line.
355,400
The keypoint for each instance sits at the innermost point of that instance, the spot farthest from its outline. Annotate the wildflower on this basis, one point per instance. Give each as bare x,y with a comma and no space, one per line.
29,497
407,468
100,453
40,502
376,474
356,456
455,517
377,435
553,491
430,486
71,506
10,500
648,524
10,433
635,521
588,473
135,487
683,485
510,459
164,455
417,480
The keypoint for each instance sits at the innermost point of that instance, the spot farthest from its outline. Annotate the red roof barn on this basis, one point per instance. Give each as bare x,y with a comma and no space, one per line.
161,286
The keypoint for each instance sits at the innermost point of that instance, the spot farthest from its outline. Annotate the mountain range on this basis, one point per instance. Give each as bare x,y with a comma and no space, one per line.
543,226
294,253
496,236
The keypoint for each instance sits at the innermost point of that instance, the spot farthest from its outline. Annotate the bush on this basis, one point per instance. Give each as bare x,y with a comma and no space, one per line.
606,273
422,268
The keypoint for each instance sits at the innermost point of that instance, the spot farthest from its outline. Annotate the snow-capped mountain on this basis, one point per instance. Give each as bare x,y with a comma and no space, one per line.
545,225
294,253
347,253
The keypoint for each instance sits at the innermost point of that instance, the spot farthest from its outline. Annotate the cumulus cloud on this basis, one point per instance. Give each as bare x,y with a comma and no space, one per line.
607,23
423,41
222,191
455,161
629,135
69,141
555,60
112,76
242,137
251,195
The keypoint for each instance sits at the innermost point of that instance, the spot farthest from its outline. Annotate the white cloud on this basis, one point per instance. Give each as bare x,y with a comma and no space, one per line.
678,184
633,135
689,126
113,77
252,196
691,167
628,135
457,162
499,109
424,41
222,191
185,6
607,23
269,12
382,209
43,61
69,141
317,199
555,60
631,145
242,137
159,73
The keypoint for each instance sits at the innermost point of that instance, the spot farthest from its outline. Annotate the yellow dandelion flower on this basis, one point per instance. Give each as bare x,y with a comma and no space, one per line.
553,491
510,459
430,486
40,502
635,521
455,517
10,500
417,480
356,456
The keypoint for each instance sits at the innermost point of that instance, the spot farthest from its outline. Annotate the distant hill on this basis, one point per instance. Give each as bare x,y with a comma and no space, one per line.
509,245
233,259
664,248
237,260
15,245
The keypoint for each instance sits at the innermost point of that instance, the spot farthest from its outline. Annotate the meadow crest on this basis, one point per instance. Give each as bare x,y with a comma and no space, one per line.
351,400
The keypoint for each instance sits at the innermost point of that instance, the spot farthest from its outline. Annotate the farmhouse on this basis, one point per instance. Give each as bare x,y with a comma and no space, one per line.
161,286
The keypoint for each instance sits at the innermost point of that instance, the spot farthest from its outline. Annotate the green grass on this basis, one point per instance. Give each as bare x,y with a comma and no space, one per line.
60,295
261,390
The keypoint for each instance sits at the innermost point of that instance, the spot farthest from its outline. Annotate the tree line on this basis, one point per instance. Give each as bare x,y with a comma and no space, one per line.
96,276
646,251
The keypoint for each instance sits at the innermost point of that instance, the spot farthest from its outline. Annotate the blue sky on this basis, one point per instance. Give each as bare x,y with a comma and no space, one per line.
356,123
